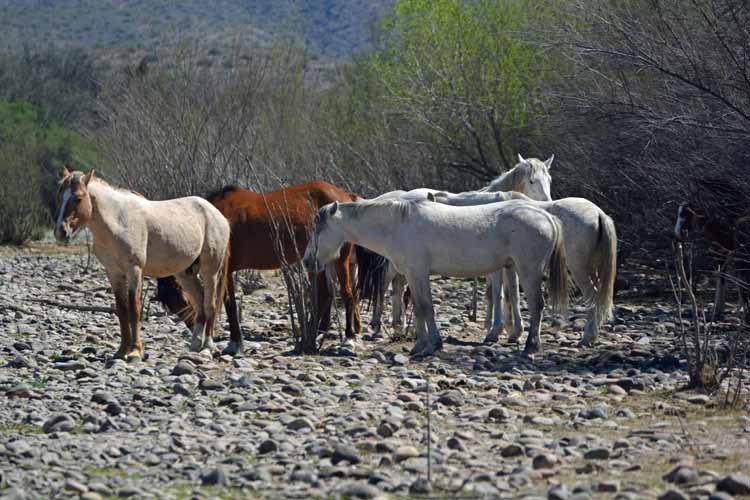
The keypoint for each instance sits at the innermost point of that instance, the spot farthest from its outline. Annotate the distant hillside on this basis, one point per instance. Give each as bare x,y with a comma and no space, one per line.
333,28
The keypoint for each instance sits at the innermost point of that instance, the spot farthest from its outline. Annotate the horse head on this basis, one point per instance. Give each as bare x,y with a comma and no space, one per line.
326,241
537,183
74,209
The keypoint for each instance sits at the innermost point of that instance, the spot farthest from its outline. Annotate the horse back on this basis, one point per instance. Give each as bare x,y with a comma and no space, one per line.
263,224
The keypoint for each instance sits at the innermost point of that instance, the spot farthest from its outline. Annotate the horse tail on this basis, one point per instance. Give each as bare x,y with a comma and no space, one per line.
371,272
604,263
170,294
558,271
221,289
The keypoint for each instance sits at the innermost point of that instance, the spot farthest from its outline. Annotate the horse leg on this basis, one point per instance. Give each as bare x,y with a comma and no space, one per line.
591,328
377,312
325,301
488,300
421,333
192,287
532,285
353,321
211,278
135,283
422,298
379,303
496,327
397,301
120,288
234,348
513,305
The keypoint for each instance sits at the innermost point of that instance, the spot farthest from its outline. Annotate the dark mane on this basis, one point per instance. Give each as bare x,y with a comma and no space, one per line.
219,193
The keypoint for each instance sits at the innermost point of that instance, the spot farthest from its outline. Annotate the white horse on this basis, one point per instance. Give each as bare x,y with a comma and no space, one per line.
591,249
134,237
529,176
422,238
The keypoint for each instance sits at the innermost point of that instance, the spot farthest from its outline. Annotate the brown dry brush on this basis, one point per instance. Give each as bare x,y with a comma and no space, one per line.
709,366
301,286
658,96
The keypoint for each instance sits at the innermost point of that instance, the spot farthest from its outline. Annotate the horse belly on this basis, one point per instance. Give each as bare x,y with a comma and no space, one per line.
173,250
475,258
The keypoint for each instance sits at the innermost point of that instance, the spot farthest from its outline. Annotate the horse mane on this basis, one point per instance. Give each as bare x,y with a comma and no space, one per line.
221,192
512,180
118,189
359,209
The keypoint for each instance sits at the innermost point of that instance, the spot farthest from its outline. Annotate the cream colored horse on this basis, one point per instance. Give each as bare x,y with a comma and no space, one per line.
133,237
422,238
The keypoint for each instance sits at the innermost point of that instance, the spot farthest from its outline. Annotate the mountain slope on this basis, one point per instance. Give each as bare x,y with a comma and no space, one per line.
333,28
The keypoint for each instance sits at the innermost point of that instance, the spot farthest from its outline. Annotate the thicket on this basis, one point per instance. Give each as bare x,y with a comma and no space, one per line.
31,154
635,99
44,96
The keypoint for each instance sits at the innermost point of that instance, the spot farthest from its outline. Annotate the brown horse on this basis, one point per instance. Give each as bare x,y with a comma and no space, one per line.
257,220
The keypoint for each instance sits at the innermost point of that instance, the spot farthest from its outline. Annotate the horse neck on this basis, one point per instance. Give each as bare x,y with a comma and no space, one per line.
509,181
364,231
107,204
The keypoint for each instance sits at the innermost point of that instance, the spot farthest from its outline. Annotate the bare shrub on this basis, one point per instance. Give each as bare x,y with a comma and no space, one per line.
302,292
22,215
179,128
712,359
658,98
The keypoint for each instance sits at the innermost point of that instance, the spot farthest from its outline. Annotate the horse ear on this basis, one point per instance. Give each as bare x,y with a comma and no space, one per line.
335,207
65,172
520,158
548,161
430,196
89,176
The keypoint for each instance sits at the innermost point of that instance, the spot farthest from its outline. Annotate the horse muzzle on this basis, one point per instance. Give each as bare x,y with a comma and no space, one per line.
63,234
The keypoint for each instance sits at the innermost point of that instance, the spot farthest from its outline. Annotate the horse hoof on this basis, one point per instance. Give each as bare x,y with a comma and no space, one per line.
233,349
432,348
530,351
134,358
514,337
528,355
417,350
490,339
584,342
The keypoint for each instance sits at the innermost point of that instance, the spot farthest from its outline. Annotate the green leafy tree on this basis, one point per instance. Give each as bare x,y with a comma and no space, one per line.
31,154
465,78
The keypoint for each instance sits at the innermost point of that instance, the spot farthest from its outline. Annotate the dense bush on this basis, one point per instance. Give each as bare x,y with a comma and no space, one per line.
637,100
659,103
31,155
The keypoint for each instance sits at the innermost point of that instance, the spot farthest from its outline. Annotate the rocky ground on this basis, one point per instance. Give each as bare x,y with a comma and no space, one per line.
575,423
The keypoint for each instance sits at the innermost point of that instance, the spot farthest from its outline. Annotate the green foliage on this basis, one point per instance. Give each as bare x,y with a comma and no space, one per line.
31,154
468,76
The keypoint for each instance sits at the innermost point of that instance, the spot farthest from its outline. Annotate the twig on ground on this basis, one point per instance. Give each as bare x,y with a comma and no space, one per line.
74,307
